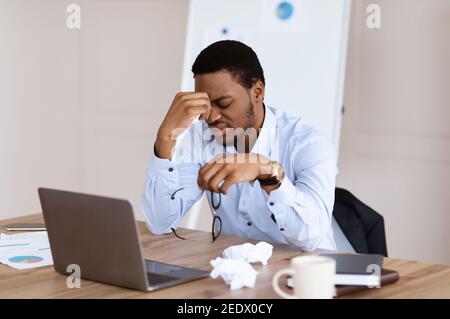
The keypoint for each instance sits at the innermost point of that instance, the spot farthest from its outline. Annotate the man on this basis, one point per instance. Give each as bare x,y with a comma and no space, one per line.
268,176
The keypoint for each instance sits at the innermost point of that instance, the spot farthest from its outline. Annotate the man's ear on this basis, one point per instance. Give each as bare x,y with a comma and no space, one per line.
258,91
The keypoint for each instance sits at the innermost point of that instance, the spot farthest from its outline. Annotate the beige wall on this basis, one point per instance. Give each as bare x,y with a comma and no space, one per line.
40,118
395,143
132,57
79,109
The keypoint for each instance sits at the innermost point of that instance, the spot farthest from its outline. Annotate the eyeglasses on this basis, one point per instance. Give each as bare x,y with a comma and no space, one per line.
217,221
216,228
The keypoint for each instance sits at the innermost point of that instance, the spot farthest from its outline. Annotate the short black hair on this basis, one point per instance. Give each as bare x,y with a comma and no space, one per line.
232,56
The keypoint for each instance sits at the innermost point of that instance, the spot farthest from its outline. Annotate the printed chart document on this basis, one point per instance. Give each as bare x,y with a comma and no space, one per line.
25,250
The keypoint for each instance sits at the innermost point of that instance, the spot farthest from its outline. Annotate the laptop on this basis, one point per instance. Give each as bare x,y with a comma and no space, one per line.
100,235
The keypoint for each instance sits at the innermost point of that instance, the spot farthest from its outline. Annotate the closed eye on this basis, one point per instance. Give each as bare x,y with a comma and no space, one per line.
223,101
222,106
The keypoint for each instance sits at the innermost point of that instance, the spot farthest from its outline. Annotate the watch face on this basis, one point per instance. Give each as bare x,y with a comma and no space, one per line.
276,170
275,176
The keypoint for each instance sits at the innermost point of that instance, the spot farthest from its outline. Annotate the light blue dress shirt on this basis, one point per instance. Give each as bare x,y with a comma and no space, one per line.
299,212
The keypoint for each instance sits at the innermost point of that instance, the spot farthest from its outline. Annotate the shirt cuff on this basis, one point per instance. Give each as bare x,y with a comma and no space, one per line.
280,199
175,175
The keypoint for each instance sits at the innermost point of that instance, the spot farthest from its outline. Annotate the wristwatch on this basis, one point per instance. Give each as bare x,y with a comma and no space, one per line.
274,175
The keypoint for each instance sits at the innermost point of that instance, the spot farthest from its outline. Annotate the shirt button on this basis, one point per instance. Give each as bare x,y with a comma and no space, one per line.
271,203
171,169
249,223
282,229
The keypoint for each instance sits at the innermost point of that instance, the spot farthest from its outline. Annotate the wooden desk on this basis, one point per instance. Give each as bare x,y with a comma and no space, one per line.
418,279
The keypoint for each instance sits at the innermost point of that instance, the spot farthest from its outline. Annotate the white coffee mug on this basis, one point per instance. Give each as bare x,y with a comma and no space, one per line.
313,278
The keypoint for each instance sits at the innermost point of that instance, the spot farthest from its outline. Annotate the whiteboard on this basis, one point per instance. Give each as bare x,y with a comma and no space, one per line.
301,45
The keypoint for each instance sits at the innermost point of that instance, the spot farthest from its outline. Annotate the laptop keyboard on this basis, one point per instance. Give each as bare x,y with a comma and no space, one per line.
156,279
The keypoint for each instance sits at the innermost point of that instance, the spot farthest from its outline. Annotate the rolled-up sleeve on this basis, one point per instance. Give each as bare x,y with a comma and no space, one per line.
302,206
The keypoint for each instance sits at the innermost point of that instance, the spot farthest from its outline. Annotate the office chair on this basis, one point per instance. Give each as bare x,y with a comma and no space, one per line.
357,227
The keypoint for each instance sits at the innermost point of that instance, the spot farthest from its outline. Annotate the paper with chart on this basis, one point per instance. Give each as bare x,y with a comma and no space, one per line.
25,250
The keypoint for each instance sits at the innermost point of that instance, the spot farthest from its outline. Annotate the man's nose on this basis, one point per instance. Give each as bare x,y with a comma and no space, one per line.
214,115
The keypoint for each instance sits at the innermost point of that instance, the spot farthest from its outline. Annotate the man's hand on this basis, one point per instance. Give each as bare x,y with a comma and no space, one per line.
185,107
232,169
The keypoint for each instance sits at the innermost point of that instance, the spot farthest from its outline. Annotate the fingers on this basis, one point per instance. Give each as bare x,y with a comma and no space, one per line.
212,174
206,173
229,181
199,106
191,99
214,182
201,102
204,115
191,95
185,107
197,110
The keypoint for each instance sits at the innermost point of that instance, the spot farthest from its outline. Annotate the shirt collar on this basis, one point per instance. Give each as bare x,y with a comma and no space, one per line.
265,143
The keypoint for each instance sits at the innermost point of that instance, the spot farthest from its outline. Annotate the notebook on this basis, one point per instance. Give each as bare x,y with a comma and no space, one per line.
357,269
387,277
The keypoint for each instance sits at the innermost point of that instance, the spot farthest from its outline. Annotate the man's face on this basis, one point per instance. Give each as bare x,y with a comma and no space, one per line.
232,105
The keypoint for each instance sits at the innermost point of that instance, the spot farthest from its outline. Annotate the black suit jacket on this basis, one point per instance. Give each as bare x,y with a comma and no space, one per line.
363,227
